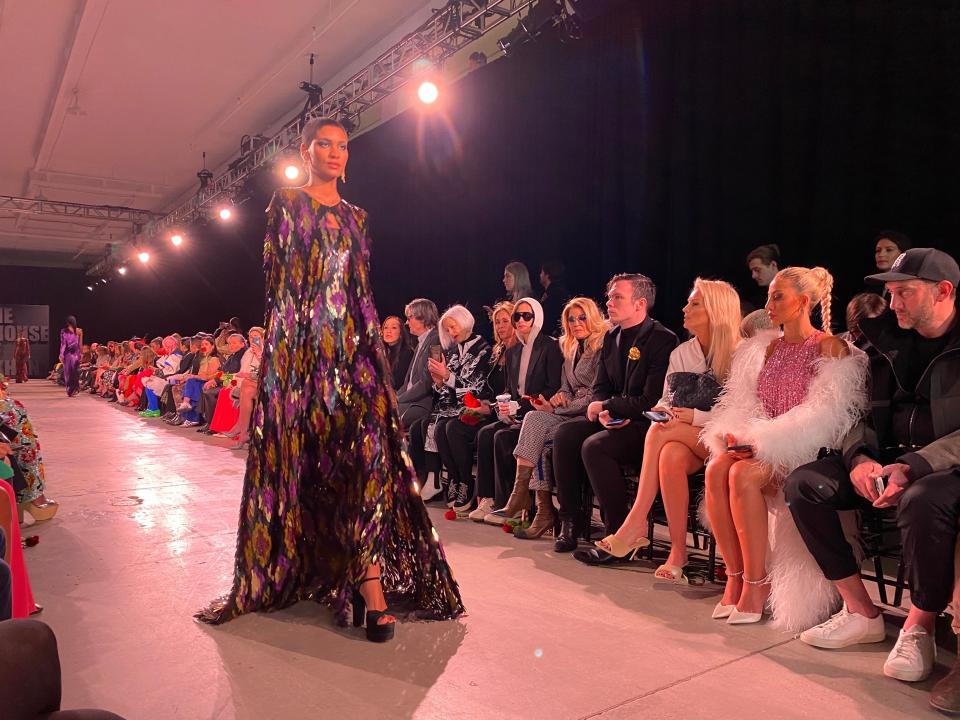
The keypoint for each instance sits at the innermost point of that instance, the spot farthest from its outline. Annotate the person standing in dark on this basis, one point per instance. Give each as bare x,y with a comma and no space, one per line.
70,339
555,295
21,357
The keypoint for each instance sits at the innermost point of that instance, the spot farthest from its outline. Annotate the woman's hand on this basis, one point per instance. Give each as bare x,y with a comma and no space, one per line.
543,405
438,370
484,408
559,400
737,454
683,415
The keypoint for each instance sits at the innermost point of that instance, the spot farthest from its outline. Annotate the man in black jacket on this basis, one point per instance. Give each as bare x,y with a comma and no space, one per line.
633,364
905,454
236,347
415,396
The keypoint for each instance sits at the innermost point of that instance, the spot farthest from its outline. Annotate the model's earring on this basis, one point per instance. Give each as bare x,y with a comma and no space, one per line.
343,177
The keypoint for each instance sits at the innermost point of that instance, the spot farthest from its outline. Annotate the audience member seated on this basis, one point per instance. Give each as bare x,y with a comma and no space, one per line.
207,366
20,594
583,330
136,374
236,401
222,335
516,281
167,365
505,337
909,442
864,305
888,246
396,341
534,369
461,370
787,397
754,322
763,263
672,449
17,430
212,388
415,396
173,393
30,675
555,295
593,449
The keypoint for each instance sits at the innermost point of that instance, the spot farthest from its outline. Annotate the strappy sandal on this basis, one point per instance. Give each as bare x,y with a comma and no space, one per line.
612,545
672,573
376,631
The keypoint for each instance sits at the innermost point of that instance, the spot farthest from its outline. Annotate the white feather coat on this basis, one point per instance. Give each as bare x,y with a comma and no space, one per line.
800,596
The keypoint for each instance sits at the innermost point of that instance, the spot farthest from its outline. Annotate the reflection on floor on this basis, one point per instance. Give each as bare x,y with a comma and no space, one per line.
145,536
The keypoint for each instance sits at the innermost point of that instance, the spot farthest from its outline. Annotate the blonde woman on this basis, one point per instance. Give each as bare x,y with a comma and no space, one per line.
516,281
672,449
583,329
787,396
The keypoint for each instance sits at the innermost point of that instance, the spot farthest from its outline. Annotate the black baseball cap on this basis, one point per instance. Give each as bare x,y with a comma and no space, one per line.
921,264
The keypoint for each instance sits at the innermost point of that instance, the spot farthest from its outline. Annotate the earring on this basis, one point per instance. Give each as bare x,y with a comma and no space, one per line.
343,177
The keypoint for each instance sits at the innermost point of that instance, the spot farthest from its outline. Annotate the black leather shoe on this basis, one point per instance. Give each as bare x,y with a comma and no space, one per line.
567,539
596,556
203,428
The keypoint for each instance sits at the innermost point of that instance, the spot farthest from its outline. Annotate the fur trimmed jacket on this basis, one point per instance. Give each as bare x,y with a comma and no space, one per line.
836,400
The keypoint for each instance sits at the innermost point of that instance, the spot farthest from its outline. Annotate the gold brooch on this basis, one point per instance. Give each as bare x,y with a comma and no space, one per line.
634,354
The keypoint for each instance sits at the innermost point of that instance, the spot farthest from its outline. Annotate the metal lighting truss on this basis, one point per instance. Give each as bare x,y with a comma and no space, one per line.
458,24
76,210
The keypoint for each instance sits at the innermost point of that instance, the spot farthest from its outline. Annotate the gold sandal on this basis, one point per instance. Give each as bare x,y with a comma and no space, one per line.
672,573
612,545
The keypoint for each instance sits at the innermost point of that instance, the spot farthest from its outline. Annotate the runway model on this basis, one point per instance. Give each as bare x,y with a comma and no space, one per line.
330,509
70,340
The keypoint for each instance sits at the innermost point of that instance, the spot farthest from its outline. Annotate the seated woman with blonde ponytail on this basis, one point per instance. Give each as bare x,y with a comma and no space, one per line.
787,396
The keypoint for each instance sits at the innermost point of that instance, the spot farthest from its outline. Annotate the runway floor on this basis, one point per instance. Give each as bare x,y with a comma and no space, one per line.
146,533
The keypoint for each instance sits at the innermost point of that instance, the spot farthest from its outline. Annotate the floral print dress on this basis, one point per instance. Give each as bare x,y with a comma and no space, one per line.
14,415
329,488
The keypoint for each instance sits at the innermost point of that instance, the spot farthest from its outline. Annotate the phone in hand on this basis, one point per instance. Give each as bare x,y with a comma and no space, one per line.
436,353
532,400
740,448
658,416
880,483
615,422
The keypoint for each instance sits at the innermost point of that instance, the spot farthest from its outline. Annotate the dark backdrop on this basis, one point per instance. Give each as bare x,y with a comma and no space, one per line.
670,140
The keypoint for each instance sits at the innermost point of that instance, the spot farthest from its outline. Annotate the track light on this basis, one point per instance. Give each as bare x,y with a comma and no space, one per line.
90,288
224,213
122,269
428,92
143,256
176,239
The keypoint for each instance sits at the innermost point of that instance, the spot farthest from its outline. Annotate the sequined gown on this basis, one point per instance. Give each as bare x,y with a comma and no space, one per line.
329,488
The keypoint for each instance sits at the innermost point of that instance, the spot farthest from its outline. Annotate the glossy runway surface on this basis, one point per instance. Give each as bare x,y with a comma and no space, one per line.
145,536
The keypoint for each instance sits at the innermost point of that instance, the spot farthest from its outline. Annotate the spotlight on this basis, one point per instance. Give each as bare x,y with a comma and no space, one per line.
428,92
177,239
122,269
90,288
292,172
225,213
143,256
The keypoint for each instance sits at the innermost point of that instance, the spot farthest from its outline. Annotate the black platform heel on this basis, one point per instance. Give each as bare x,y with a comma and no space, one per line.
376,631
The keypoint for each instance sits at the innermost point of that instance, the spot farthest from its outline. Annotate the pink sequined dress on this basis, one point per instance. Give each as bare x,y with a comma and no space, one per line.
786,376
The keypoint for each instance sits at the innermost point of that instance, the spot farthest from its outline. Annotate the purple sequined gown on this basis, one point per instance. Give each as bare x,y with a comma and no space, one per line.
70,352
329,488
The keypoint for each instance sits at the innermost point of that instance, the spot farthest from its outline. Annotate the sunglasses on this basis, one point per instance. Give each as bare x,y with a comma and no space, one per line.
518,316
576,318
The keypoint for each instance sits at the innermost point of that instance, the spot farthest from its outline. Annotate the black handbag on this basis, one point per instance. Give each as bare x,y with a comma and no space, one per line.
698,391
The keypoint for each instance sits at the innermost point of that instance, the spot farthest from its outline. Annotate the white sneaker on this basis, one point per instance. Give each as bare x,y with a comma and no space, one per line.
912,657
845,629
431,488
483,509
499,517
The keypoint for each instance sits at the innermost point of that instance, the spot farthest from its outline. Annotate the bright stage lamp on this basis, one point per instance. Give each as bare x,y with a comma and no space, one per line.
90,288
122,270
428,92
292,172
225,213
177,239
143,256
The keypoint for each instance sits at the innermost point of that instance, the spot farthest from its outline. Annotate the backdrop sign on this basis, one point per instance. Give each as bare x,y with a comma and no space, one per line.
34,322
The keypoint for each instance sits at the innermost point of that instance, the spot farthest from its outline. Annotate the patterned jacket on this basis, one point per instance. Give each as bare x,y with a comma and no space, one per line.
469,363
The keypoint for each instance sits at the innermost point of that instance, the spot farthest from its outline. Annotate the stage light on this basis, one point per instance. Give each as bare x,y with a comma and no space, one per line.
428,92
90,288
143,256
292,172
224,213
177,239
122,270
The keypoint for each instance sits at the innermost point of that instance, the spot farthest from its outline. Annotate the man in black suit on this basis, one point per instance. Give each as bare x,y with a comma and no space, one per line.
416,394
633,364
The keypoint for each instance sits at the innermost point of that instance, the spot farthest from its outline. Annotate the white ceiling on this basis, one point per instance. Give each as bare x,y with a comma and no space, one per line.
112,102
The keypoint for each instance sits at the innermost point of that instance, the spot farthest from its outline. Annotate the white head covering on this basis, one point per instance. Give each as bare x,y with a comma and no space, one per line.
528,343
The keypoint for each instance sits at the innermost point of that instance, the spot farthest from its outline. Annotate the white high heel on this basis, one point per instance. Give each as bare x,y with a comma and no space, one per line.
745,618
721,611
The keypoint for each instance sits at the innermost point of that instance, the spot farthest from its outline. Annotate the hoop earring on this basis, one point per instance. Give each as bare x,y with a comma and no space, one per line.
343,177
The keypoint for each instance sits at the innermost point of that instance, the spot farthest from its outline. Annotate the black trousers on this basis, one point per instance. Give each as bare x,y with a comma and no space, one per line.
6,580
208,403
927,516
423,462
455,443
496,466
583,451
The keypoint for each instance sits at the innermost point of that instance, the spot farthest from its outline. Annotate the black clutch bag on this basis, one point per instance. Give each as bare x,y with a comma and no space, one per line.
693,390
